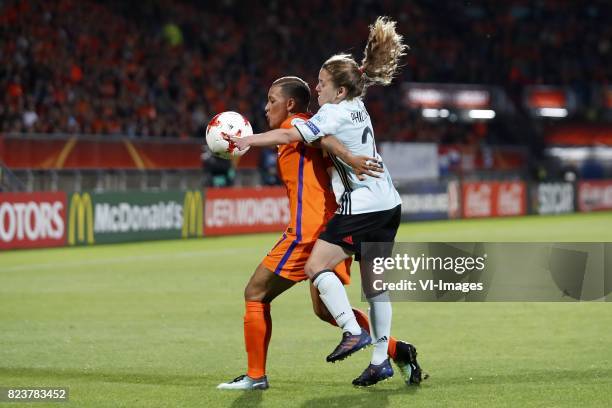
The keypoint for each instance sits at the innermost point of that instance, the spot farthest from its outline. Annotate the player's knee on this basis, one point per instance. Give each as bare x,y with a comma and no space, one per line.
254,292
311,269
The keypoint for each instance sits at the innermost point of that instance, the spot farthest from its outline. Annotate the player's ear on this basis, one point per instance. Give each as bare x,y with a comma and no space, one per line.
291,105
341,92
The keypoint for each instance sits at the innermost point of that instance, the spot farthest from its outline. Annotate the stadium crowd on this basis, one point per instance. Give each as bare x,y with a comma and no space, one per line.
162,68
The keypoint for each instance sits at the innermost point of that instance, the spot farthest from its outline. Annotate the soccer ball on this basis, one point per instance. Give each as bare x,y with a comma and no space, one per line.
223,125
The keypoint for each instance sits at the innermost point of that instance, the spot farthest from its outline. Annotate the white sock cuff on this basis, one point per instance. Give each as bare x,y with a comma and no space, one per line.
333,294
321,276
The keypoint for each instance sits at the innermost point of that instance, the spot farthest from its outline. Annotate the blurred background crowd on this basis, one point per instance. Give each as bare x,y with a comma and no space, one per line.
162,68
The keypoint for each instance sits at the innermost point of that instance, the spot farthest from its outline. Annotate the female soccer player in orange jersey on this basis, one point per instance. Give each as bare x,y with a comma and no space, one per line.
304,171
369,208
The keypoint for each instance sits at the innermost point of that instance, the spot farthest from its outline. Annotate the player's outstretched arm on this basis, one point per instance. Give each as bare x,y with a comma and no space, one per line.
270,138
362,165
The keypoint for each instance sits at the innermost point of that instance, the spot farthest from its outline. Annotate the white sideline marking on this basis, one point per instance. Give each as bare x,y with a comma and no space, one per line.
124,259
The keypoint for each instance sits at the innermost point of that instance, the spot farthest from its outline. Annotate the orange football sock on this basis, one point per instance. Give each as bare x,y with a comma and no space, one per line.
362,319
257,333
391,351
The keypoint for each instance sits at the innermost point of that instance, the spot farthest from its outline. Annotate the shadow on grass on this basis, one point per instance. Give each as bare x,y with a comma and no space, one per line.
362,397
379,396
248,399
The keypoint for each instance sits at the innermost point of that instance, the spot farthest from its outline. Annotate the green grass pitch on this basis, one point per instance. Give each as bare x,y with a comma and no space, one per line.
159,324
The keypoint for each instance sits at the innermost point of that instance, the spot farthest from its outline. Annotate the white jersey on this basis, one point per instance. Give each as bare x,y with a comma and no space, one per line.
350,123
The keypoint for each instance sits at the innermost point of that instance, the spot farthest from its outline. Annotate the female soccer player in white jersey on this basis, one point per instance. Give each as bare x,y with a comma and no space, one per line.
369,209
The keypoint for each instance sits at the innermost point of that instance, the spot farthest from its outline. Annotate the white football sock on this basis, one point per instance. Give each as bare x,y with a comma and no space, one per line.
332,293
380,326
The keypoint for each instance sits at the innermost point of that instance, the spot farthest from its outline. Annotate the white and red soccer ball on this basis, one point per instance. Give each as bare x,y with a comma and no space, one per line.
221,127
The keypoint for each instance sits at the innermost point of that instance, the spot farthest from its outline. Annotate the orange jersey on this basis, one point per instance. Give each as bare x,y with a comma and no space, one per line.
303,170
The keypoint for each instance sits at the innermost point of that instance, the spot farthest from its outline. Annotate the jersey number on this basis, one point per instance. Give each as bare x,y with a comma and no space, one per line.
364,139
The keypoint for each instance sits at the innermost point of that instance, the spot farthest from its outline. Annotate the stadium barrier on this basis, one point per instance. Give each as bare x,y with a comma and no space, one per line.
494,199
32,220
436,200
552,198
51,219
595,195
45,219
245,210
100,218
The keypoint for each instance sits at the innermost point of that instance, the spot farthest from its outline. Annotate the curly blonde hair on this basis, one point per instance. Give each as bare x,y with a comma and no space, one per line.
380,63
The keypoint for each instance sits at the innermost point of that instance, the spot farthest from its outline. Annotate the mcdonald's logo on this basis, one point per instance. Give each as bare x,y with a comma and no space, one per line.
80,219
193,211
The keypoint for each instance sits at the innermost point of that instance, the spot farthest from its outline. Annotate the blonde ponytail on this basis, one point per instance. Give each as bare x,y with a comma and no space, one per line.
382,52
380,63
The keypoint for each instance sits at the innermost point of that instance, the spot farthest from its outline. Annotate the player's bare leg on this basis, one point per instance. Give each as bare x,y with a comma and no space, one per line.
264,286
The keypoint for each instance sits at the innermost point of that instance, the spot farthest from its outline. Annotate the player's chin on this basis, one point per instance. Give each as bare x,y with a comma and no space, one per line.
273,124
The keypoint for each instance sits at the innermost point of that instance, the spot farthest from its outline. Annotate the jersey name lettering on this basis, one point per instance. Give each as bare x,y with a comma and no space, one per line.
359,116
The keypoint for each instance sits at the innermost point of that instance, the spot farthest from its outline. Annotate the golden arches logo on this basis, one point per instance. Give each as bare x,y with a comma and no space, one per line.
81,217
193,211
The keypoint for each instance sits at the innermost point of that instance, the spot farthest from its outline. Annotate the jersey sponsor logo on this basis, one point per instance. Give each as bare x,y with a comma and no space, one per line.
313,128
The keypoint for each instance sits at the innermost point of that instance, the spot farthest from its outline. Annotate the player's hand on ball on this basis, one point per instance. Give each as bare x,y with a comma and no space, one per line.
240,142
